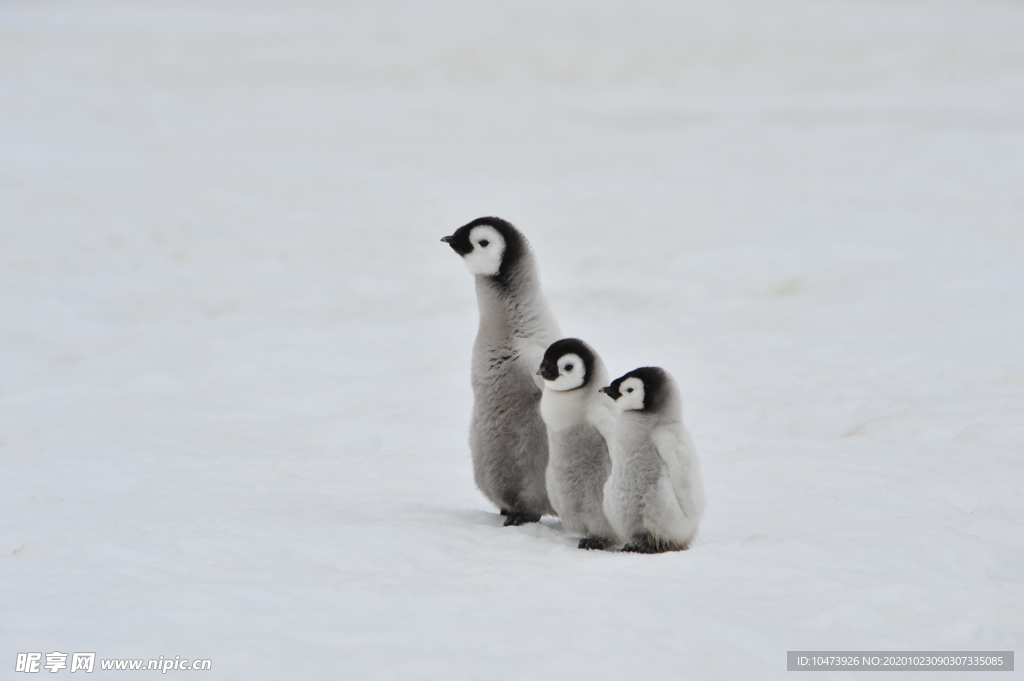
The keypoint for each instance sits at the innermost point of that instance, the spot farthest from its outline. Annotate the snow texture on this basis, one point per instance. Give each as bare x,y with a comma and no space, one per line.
234,355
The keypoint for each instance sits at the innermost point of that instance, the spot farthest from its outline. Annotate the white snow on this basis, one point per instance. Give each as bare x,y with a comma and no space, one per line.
234,354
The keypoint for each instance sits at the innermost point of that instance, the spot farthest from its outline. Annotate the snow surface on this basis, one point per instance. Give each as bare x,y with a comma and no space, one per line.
234,355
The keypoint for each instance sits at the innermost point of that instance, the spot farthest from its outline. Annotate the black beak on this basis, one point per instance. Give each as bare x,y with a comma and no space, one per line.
458,244
610,392
548,373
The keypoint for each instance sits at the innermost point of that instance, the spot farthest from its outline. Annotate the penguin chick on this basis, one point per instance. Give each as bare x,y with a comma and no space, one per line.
580,424
654,497
507,437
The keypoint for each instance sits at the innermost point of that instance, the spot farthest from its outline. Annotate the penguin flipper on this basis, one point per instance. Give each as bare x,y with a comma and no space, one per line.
675,446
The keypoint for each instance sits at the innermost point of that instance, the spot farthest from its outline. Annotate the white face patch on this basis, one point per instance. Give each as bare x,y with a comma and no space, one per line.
632,390
571,373
488,247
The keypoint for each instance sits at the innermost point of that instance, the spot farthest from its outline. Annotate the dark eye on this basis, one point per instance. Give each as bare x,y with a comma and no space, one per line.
568,367
483,244
629,390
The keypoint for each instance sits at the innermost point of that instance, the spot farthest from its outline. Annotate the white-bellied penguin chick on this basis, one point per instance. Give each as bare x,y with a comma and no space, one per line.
580,425
654,497
507,437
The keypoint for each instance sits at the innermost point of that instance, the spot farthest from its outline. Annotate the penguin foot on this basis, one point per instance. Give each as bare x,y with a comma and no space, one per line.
640,547
504,511
517,518
650,544
591,543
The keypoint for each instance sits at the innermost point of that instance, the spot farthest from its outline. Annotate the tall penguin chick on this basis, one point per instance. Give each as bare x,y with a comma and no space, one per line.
654,497
580,424
507,437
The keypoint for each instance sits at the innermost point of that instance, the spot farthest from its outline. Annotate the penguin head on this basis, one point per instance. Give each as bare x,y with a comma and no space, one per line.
567,365
488,246
643,389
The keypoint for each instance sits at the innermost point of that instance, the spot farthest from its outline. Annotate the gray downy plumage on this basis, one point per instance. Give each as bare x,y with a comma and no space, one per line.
508,439
654,497
580,424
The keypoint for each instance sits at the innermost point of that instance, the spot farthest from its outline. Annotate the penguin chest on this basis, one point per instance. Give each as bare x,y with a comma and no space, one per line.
637,473
578,466
505,395
504,372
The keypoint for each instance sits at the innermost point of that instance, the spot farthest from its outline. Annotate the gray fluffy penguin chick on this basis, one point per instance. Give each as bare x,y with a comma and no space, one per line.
580,424
654,497
507,438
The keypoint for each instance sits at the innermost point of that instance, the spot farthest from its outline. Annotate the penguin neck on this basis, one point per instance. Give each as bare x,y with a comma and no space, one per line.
563,409
632,431
513,305
639,422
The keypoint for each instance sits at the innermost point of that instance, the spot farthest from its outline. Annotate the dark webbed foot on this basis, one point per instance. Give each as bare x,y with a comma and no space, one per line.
516,518
504,511
640,547
649,544
591,543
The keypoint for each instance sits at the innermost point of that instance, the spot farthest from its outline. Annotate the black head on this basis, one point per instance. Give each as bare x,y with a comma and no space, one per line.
655,386
514,246
549,369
